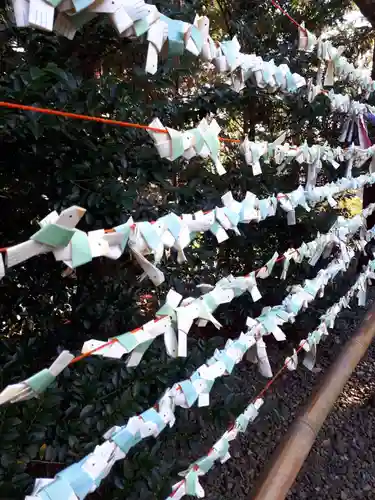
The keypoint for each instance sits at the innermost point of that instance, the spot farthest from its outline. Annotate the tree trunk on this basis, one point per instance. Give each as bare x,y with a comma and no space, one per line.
367,7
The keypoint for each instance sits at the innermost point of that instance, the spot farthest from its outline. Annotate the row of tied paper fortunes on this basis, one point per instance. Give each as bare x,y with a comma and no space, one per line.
355,112
74,247
204,141
190,485
135,18
178,315
82,478
338,65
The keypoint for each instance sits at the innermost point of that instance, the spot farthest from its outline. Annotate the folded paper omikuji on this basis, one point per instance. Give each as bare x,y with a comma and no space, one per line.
220,450
328,319
337,65
175,318
313,156
75,248
85,476
204,141
56,231
200,141
355,114
178,316
38,383
135,18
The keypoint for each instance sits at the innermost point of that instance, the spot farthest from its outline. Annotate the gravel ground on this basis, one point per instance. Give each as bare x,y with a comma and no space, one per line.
341,464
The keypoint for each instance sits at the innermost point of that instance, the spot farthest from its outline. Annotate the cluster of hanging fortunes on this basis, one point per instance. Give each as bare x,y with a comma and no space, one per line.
135,18
219,452
177,315
204,141
175,318
337,65
59,235
84,477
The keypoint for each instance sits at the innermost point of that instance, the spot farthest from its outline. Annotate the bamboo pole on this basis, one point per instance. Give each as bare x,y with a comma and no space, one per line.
290,455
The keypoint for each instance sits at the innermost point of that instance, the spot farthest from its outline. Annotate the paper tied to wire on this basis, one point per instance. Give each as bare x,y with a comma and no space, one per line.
176,315
83,247
355,112
68,244
200,141
241,284
313,156
84,477
138,341
265,75
135,18
327,320
339,234
291,362
126,15
81,479
290,201
258,355
337,65
219,452
354,120
251,208
187,392
328,191
56,231
306,40
147,238
225,290
254,151
271,318
354,123
59,235
38,383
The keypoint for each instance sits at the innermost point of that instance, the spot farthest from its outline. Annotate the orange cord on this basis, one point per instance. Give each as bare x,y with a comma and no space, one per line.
65,114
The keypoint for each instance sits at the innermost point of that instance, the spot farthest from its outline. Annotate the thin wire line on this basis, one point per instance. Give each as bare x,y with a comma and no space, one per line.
110,342
275,4
276,376
108,121
258,396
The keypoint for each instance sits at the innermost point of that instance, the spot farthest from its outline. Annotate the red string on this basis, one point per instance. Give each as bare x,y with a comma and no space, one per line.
88,353
261,394
277,375
108,121
113,341
275,4
110,342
